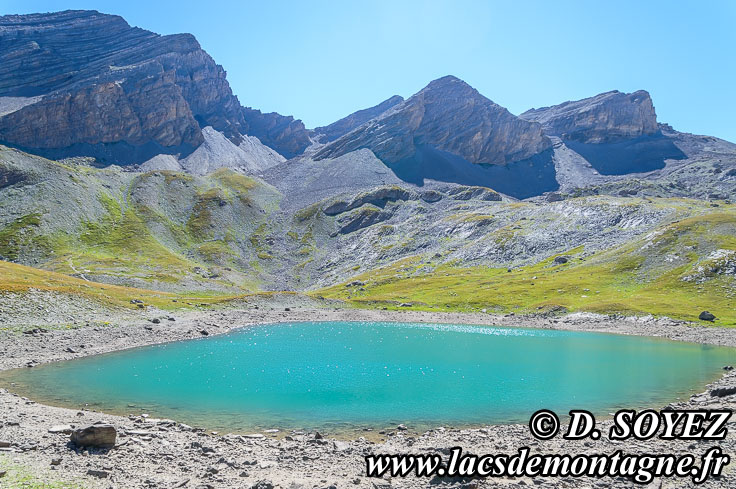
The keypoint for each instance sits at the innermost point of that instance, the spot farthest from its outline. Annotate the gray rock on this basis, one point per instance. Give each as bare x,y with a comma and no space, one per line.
100,474
723,391
706,316
262,484
95,436
62,428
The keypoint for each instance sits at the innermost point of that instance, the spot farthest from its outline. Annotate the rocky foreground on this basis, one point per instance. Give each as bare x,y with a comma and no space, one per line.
161,453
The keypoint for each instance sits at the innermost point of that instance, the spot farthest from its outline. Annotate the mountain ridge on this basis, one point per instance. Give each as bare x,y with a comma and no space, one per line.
495,136
157,92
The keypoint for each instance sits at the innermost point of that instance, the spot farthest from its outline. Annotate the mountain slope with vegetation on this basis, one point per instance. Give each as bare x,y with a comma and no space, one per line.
442,200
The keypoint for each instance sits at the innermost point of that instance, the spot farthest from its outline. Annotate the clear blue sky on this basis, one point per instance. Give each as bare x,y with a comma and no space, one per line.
320,60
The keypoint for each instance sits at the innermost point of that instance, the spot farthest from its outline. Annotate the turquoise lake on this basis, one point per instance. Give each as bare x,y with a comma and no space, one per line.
337,375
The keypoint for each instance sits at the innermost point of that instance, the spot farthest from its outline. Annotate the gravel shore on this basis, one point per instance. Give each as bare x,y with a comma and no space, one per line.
155,453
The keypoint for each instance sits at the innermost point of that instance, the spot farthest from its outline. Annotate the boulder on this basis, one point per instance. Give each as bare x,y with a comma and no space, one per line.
706,316
723,391
95,436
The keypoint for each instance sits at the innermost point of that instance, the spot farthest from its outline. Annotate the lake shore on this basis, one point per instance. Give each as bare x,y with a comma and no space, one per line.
160,453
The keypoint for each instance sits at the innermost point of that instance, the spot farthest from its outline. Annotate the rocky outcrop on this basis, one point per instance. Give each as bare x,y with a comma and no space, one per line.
362,218
82,82
606,118
347,124
113,83
378,197
448,115
283,133
479,193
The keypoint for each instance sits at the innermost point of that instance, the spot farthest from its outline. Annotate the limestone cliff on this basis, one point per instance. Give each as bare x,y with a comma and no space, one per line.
447,115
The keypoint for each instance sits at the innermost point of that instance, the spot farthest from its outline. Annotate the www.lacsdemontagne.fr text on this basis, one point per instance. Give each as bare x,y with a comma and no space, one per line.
641,468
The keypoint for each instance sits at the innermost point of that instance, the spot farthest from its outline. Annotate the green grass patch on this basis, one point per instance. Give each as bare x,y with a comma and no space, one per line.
21,477
636,278
21,234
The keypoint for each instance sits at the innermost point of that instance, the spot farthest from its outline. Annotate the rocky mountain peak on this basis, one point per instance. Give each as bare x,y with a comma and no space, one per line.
86,83
605,118
447,115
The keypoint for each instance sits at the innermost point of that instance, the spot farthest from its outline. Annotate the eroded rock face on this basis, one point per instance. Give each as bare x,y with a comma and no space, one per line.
606,118
447,115
83,81
283,133
113,83
347,124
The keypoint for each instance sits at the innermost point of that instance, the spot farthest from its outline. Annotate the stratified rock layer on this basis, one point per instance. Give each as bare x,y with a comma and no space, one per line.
606,118
88,82
447,115
356,119
103,81
283,133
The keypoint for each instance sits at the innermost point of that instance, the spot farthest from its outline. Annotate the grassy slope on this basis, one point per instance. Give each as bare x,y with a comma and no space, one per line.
17,278
649,276
127,238
20,278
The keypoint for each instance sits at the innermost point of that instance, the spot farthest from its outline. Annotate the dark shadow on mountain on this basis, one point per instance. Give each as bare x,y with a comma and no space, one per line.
106,154
521,179
643,154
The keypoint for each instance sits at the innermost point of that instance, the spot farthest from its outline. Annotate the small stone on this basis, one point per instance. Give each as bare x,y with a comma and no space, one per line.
402,427
262,484
204,332
155,320
56,461
100,474
4,444
62,428
561,259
